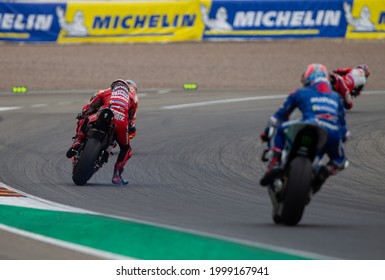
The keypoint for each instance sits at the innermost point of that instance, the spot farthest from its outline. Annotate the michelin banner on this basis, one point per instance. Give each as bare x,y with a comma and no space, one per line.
81,22
243,19
21,22
156,21
366,19
190,20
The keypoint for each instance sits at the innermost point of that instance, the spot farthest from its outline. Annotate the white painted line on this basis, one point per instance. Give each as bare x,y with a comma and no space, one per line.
43,203
373,92
39,105
64,244
2,109
63,103
254,244
163,91
77,91
37,202
244,99
34,202
223,101
142,94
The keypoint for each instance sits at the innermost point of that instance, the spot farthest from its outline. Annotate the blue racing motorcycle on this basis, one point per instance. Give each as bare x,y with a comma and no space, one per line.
292,187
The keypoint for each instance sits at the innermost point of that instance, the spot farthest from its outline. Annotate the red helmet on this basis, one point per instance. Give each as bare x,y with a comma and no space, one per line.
313,73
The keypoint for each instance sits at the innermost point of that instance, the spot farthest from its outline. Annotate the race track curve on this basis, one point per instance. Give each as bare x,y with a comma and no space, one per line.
198,168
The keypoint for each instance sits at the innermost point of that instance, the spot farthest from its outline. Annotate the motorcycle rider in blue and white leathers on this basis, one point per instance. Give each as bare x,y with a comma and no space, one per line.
318,104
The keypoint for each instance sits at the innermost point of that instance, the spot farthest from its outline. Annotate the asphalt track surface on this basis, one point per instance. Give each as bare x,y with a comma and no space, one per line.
198,168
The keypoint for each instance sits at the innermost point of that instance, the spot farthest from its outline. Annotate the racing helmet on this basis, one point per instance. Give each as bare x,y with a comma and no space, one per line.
117,82
365,68
358,77
132,84
314,72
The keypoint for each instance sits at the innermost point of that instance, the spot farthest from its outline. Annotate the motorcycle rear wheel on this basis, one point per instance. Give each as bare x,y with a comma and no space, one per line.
296,192
85,167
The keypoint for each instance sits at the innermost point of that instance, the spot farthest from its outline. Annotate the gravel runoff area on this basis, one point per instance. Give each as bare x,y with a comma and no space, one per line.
262,65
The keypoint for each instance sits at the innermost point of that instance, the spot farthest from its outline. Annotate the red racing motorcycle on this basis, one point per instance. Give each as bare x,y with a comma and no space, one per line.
96,149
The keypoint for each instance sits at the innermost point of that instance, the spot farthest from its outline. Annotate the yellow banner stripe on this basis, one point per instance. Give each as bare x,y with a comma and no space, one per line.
265,32
14,35
366,35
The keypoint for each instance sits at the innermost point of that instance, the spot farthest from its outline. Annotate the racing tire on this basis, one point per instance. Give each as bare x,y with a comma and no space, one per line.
296,192
85,167
277,219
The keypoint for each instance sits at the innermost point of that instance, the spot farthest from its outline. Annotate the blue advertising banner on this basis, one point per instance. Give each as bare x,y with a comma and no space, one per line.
190,20
229,19
22,22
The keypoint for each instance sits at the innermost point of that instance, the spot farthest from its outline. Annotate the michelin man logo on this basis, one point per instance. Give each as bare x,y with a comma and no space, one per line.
361,24
76,27
219,23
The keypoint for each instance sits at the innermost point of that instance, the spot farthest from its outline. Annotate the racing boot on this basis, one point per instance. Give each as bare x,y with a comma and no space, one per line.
323,173
74,148
273,169
117,177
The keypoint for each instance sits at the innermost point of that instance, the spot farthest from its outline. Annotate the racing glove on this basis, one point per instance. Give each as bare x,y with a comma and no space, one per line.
80,116
132,131
346,137
265,135
269,130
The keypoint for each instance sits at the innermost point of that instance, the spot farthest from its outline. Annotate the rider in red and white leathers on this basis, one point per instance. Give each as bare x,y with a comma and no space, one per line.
349,82
122,98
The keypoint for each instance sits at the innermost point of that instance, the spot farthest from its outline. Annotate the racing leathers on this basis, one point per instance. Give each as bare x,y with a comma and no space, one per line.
123,101
318,104
349,82
85,111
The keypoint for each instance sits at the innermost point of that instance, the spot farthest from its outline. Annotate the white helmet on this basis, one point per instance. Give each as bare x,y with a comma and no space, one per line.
358,76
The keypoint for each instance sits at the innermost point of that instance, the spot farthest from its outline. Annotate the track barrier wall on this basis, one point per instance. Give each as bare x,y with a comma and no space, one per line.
190,20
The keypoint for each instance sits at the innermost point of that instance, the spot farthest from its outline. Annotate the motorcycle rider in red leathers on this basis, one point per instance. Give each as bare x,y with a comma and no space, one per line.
349,82
122,98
